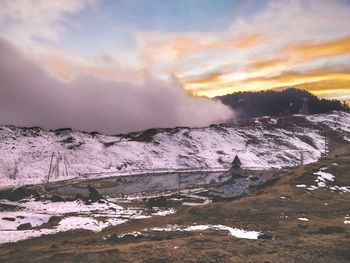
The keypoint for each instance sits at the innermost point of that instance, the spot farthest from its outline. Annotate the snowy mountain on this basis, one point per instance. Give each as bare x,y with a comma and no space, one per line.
26,154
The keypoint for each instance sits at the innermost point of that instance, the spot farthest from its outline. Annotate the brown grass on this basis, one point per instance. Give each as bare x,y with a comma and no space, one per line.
262,210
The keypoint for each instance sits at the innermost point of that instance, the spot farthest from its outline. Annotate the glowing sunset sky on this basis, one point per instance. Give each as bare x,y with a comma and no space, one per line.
212,47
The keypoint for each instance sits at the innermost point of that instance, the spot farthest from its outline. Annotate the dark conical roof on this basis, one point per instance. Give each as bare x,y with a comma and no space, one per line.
236,162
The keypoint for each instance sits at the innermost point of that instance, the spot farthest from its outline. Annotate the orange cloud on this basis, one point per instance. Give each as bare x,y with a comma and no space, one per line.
243,42
336,80
173,48
210,77
303,52
294,78
250,41
65,68
179,46
325,86
327,89
257,75
335,47
268,63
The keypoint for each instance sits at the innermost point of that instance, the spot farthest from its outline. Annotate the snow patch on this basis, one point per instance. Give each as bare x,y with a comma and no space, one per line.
76,215
11,220
133,233
239,233
323,180
163,212
324,176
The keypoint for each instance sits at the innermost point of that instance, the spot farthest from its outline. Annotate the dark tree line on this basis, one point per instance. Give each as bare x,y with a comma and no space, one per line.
275,103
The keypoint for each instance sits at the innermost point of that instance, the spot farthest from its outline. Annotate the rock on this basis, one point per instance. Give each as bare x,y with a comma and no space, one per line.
113,238
131,237
26,226
56,198
54,220
54,246
94,195
157,238
160,201
7,207
9,219
265,236
78,197
19,194
331,230
302,226
65,242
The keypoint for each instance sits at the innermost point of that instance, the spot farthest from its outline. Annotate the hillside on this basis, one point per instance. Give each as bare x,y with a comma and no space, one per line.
275,103
26,153
297,216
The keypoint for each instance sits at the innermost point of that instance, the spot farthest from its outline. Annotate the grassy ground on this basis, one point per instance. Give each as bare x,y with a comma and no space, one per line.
324,238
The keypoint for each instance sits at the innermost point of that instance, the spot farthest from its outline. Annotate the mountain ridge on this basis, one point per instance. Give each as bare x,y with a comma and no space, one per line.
266,142
279,103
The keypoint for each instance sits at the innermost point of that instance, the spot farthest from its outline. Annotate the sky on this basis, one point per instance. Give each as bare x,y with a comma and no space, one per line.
124,52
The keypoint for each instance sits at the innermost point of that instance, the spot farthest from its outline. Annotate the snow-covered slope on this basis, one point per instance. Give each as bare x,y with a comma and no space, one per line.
25,153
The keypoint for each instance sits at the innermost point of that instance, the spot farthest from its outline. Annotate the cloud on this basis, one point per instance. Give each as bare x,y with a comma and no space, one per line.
307,76
207,77
295,36
102,66
334,80
256,51
290,56
266,63
163,46
30,96
27,20
306,51
251,41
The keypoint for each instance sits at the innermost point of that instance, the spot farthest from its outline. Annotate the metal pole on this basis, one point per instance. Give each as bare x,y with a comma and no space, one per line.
48,176
65,164
301,158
